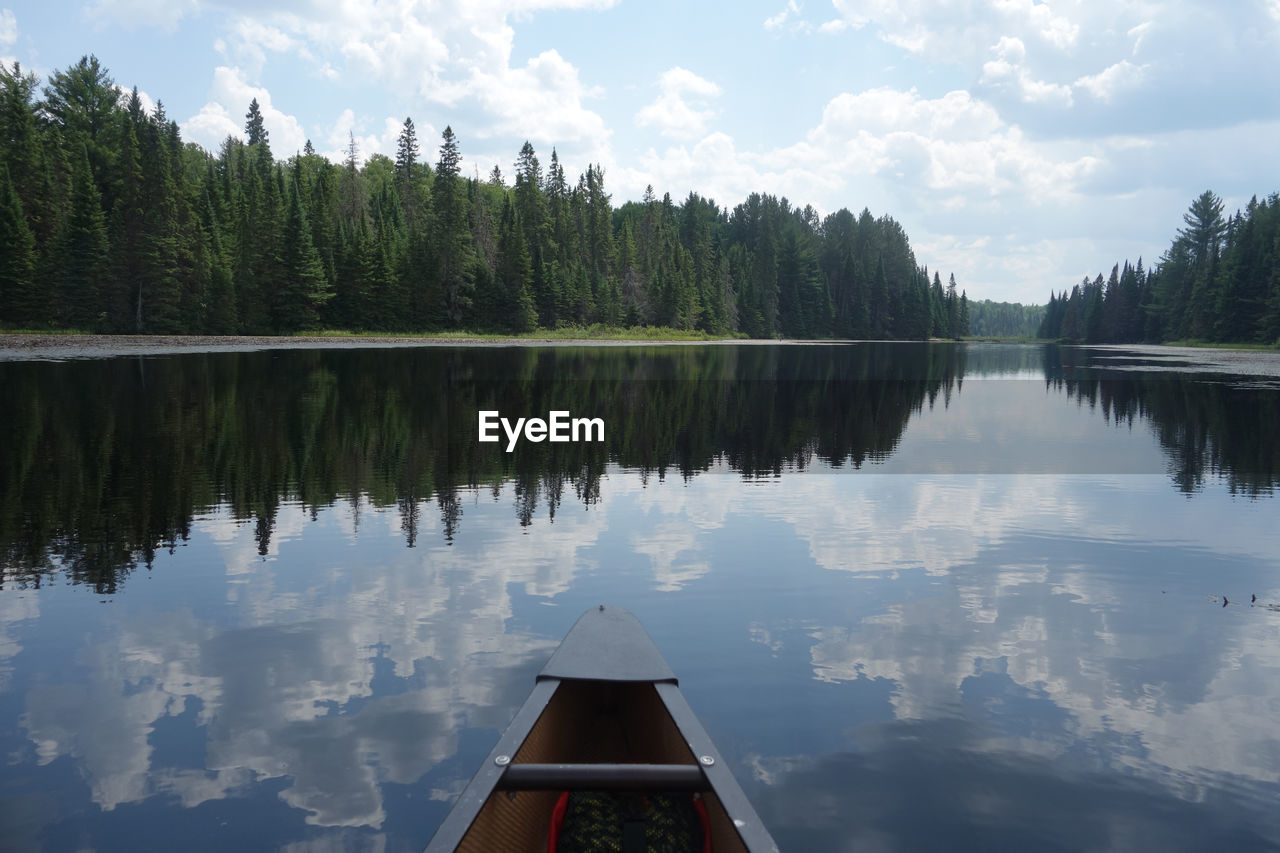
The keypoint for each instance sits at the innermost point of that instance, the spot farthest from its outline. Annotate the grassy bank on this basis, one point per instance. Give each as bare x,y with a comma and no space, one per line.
992,339
567,333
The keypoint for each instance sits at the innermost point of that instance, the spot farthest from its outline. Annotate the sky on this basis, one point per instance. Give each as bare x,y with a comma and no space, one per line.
1022,145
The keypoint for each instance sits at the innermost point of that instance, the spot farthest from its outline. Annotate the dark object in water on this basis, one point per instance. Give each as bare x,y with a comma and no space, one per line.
605,714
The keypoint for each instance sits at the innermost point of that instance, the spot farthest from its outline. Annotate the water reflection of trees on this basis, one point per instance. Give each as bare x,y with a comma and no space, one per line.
106,462
1209,425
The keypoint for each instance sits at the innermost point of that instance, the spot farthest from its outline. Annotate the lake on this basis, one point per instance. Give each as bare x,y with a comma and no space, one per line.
921,595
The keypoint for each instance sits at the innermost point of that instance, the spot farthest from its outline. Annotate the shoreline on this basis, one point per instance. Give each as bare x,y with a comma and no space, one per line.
44,346
40,346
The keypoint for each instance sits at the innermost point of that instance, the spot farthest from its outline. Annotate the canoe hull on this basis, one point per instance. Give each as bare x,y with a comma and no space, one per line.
605,714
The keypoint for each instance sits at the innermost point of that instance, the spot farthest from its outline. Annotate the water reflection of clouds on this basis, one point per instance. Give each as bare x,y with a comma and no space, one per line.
1048,433
290,690
346,661
1165,686
966,793
14,608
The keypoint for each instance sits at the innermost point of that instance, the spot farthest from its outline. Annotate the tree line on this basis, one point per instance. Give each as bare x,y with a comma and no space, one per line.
1219,280
109,222
989,319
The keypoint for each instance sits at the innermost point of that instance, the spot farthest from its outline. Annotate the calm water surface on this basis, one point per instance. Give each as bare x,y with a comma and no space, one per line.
922,596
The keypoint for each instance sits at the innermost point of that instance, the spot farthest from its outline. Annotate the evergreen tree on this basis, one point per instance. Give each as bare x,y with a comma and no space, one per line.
22,151
127,237
81,103
952,309
84,253
254,129
160,286
304,287
407,173
20,301
454,255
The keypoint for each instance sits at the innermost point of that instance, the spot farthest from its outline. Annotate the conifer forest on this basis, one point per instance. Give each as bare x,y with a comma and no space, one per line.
111,223
1218,281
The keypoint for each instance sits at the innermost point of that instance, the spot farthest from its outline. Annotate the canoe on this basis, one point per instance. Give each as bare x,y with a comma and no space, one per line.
606,721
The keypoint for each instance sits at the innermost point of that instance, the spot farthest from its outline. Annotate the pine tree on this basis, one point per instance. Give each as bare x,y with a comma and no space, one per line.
354,196
21,149
84,253
304,288
952,309
220,315
254,128
454,254
81,103
20,302
406,173
159,288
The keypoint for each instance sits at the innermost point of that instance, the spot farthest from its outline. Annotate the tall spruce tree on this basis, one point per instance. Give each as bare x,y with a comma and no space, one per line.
453,250
254,127
83,253
304,288
20,302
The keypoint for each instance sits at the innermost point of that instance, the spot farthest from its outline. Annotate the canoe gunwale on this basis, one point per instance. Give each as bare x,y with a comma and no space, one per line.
482,785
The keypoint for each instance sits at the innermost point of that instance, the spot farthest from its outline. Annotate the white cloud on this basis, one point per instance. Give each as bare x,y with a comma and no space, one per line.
8,27
713,167
543,101
1056,30
679,110
950,168
339,135
956,29
952,143
1139,32
222,116
789,14
779,19
164,14
923,146
148,102
253,40
1120,77
455,54
211,126
1007,71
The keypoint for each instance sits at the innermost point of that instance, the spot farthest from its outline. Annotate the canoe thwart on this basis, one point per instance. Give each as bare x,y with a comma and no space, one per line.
631,777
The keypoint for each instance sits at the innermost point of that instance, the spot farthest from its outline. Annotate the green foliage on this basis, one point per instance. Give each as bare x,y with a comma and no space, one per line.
989,319
83,253
254,129
19,301
304,288
1219,281
238,242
